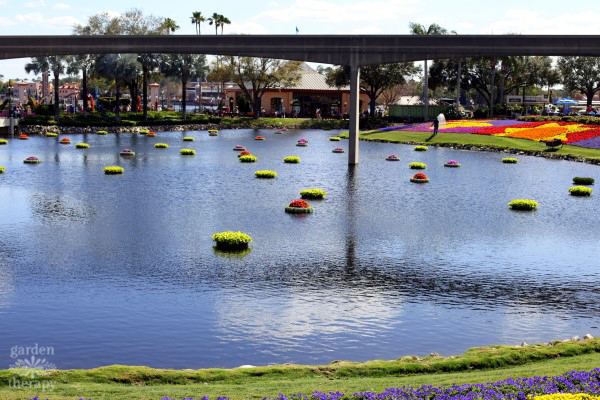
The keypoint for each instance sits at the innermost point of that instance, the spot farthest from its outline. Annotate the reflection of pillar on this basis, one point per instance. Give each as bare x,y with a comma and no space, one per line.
354,117
154,89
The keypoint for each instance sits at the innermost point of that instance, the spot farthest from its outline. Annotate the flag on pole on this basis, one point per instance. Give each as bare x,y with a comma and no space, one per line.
297,30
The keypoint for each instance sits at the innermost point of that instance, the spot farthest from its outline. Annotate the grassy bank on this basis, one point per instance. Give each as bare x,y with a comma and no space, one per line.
482,141
479,365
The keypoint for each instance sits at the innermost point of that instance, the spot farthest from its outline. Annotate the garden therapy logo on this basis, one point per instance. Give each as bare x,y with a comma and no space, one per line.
30,364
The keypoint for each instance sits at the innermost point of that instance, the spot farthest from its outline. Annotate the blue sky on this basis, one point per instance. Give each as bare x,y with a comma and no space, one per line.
55,17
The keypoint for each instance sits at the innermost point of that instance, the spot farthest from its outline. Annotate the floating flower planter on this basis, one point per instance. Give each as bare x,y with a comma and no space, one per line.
299,207
82,145
244,153
420,148
248,158
292,160
127,152
580,191
1,170
51,134
335,139
417,165
302,140
313,194
23,137
259,138
161,145
510,160
579,180
265,174
302,144
213,131
32,160
523,205
144,131
101,133
187,152
65,141
231,240
393,157
452,164
338,150
279,132
188,139
151,134
419,178
239,147
114,170
3,142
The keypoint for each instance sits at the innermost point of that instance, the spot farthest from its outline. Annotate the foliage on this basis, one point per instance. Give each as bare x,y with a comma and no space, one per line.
291,160
417,165
2,170
184,67
3,142
523,204
114,170
230,240
510,160
299,207
82,145
248,158
580,73
335,139
313,193
265,174
580,191
579,119
188,139
187,152
420,148
131,22
579,180
419,178
161,145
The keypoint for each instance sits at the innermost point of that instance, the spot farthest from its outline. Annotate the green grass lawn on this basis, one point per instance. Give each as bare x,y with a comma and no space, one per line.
479,365
500,142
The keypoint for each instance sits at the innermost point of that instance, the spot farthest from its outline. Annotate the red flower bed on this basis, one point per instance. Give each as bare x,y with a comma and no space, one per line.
299,204
420,176
245,153
583,135
23,135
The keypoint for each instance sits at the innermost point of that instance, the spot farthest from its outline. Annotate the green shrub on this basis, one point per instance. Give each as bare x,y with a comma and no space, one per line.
313,193
580,191
101,133
51,134
417,165
579,180
187,152
265,173
248,158
214,120
510,160
188,139
523,204
292,160
161,145
335,139
420,148
82,145
231,240
114,170
3,142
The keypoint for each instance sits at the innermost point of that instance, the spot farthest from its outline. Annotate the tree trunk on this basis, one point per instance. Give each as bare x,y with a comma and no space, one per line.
117,100
458,76
145,91
133,95
183,99
85,92
256,107
590,97
56,84
492,87
372,105
426,92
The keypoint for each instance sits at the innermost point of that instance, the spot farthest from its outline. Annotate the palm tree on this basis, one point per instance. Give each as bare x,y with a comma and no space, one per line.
170,25
56,64
433,29
184,67
149,63
198,18
216,21
82,63
224,21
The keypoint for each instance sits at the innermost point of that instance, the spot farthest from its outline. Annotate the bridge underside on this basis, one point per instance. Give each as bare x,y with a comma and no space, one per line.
352,50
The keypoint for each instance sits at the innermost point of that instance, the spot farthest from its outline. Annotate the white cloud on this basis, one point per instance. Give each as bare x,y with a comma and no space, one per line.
35,4
39,19
525,21
329,12
248,28
62,6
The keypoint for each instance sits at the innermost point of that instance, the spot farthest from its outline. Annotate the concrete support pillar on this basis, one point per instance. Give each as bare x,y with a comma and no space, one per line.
426,91
11,126
354,114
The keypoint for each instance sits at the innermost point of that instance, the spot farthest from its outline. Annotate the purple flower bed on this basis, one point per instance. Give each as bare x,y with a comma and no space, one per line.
427,126
518,389
593,143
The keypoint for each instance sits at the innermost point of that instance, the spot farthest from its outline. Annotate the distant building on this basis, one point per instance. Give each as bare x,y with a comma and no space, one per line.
68,90
309,94
24,90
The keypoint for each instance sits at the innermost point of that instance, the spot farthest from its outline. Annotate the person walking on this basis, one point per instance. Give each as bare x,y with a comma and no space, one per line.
436,126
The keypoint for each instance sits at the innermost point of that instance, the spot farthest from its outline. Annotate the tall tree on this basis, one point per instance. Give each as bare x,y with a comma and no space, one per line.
215,20
582,74
83,63
374,79
255,76
433,29
56,64
169,26
120,69
224,21
184,67
198,19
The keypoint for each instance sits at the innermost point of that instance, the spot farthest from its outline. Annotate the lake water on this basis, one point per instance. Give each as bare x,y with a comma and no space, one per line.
121,269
